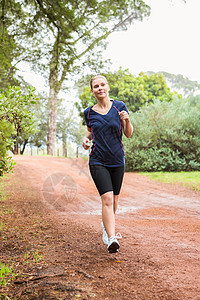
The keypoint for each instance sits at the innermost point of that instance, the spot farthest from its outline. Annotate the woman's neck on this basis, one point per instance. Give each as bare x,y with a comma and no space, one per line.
103,106
103,103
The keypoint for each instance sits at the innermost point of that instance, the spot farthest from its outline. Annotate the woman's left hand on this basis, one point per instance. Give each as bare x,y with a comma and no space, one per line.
126,124
124,115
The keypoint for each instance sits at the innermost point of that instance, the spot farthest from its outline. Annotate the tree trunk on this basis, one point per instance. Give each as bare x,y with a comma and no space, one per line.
52,114
24,146
77,152
55,87
15,148
64,149
64,143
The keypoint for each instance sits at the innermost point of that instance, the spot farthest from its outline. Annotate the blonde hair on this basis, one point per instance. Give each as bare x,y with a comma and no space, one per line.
95,77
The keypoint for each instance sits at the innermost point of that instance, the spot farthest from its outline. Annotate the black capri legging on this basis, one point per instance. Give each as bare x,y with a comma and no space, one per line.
107,179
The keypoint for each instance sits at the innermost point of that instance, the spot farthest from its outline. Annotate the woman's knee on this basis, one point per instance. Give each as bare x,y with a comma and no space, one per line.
107,199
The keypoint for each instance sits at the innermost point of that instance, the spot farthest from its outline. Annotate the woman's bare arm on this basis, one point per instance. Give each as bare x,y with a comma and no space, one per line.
86,139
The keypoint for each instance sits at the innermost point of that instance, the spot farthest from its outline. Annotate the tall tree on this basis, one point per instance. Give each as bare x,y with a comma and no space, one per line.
60,37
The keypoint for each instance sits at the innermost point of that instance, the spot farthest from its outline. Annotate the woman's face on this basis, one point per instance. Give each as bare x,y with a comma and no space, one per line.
100,88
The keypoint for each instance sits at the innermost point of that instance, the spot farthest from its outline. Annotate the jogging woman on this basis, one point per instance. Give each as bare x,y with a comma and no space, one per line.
105,122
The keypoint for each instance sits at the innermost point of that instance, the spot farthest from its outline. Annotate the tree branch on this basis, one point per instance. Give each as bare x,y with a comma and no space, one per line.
51,17
95,41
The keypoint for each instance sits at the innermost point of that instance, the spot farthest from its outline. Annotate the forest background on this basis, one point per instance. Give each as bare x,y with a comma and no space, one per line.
60,40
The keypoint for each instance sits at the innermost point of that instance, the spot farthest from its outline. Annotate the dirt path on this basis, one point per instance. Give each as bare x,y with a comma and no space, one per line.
159,256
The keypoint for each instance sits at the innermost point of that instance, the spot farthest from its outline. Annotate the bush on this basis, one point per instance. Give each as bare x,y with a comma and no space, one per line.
166,137
6,162
6,165
15,118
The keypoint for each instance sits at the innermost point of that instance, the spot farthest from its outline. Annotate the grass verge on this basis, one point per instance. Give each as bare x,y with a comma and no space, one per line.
188,179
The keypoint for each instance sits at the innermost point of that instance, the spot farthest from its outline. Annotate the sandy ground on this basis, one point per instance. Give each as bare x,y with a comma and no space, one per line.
159,255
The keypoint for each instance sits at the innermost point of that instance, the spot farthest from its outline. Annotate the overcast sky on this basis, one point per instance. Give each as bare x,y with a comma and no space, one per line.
168,40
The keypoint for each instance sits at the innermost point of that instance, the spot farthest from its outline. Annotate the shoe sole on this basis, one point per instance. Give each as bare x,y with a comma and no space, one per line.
113,248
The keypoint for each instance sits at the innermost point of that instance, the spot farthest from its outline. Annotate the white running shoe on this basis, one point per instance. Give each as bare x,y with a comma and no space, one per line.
113,244
105,236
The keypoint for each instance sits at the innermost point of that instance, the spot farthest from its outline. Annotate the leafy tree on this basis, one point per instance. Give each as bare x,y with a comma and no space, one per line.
139,90
15,118
135,91
38,135
15,109
61,37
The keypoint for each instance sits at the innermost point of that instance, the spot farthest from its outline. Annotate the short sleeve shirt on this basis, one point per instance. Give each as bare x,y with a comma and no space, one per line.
107,148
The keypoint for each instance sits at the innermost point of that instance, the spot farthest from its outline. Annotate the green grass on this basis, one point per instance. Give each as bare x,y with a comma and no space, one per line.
33,256
188,179
6,273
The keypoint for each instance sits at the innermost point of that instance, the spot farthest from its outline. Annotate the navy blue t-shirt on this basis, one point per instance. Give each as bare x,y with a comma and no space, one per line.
107,148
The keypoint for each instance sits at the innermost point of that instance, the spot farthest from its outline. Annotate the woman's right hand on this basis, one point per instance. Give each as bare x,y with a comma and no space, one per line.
86,143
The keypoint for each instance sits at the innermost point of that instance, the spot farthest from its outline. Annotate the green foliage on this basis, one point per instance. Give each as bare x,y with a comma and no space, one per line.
6,165
9,50
135,91
140,90
6,130
15,118
166,136
195,101
15,108
5,273
7,70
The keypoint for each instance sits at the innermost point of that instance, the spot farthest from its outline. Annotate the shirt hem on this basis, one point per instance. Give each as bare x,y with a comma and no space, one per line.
106,165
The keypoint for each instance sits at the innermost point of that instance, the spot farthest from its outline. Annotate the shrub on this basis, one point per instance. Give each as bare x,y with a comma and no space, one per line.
15,118
166,137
